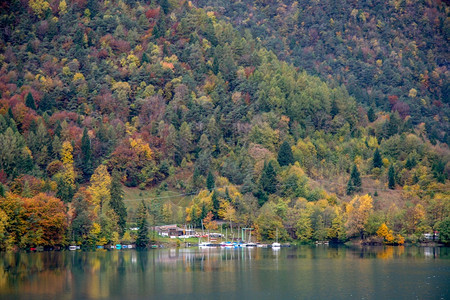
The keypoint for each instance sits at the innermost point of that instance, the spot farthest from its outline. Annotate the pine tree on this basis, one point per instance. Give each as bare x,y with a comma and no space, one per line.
210,182
116,202
354,183
86,155
160,28
216,204
29,101
164,6
145,58
377,161
46,103
334,108
268,181
391,177
356,178
350,187
142,239
285,156
371,115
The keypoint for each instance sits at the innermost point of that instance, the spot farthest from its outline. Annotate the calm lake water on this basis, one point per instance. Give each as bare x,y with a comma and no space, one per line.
307,272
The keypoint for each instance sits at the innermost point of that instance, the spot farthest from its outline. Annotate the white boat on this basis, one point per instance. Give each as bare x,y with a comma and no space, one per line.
276,245
72,248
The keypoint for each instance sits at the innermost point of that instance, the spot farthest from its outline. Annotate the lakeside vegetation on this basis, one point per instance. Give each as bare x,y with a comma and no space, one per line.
119,114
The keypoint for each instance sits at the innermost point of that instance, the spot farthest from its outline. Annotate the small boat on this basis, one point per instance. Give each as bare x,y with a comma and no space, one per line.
251,244
100,247
72,248
112,247
240,245
124,247
118,246
276,245
130,246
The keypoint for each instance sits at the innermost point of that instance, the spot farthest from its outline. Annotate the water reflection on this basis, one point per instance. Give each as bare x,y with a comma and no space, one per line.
222,272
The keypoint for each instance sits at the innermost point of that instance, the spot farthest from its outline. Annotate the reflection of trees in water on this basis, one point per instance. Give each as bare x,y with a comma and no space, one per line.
101,274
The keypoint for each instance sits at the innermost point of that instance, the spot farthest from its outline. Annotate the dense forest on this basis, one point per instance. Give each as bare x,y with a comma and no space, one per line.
391,55
100,98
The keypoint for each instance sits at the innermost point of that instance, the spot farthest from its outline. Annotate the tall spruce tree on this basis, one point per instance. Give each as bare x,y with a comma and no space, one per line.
377,161
391,177
210,182
268,180
116,201
142,239
86,155
216,204
371,115
29,101
354,183
285,156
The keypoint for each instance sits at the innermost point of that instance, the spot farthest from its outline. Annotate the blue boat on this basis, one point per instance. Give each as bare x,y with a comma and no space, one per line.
118,246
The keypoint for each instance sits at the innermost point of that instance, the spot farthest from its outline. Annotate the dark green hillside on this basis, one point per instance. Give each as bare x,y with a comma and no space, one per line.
200,122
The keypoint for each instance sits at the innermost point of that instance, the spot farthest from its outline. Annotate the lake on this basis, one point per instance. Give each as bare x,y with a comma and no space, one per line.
306,272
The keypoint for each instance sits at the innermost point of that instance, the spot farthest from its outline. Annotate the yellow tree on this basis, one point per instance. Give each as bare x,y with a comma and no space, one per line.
227,212
358,211
100,188
66,177
385,233
62,7
39,7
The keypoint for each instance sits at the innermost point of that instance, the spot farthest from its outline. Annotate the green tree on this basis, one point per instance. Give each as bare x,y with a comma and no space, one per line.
86,155
377,161
268,180
29,101
354,183
371,115
116,202
142,239
164,6
391,177
210,182
215,203
444,230
285,156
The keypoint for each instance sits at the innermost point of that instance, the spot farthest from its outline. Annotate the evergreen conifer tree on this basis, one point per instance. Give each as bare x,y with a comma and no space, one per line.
268,181
391,177
377,161
142,239
354,183
215,203
29,101
116,201
86,155
285,156
371,115
210,182
334,108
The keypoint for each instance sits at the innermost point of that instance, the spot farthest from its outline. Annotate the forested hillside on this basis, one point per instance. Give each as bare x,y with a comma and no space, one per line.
164,96
391,55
